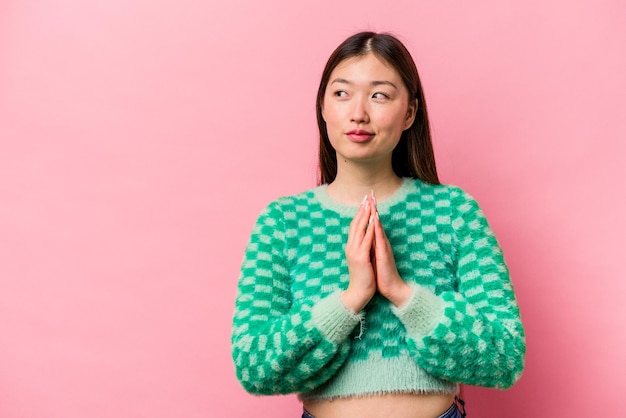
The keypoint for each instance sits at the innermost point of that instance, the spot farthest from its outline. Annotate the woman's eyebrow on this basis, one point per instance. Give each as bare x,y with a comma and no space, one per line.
340,80
373,83
384,82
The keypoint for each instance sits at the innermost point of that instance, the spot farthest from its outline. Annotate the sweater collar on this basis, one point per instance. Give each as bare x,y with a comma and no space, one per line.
321,195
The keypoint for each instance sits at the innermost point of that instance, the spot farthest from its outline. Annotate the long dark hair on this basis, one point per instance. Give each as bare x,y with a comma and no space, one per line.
413,156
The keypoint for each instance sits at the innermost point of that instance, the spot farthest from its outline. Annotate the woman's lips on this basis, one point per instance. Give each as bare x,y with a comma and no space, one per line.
359,135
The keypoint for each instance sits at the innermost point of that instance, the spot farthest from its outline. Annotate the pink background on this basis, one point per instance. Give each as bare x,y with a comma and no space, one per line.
140,139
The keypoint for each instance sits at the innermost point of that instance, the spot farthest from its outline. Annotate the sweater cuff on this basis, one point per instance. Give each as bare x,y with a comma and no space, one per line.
422,313
333,319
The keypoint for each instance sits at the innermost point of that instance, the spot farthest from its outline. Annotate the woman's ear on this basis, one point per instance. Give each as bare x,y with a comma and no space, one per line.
410,114
322,109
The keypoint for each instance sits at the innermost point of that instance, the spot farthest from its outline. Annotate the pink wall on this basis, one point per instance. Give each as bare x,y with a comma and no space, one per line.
140,139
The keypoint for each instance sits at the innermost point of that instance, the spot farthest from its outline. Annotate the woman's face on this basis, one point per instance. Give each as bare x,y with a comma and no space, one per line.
366,108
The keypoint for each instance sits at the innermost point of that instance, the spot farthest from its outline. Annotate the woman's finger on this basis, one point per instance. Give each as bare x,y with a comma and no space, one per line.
359,223
369,236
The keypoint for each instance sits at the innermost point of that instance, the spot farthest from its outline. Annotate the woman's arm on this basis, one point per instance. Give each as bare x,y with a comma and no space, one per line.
282,346
473,334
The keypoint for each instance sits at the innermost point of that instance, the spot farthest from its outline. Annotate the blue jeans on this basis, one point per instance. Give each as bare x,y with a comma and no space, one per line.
452,412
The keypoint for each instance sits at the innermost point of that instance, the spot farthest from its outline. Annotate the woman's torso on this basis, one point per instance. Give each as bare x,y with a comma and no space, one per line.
389,405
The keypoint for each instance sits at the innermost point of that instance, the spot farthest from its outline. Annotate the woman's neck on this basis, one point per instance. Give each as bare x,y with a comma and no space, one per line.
350,185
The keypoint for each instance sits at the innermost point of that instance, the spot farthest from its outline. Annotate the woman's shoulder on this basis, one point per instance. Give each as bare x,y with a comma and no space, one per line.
438,192
293,202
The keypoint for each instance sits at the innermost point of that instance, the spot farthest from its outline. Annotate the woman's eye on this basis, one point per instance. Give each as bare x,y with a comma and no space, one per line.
341,93
380,96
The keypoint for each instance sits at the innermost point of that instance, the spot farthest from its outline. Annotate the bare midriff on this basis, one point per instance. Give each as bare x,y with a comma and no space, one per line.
397,405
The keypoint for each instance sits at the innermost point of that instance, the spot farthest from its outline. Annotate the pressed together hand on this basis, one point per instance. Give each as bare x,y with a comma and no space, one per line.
370,261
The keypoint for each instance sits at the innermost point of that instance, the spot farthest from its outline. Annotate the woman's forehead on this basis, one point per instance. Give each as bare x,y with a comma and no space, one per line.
364,67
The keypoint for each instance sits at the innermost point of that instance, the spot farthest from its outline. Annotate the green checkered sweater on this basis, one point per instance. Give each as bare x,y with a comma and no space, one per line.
291,332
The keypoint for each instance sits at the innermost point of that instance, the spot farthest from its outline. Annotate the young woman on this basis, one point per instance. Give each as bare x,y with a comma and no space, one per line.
380,291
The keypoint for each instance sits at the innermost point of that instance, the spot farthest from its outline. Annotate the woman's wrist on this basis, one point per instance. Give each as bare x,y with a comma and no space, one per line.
401,295
353,302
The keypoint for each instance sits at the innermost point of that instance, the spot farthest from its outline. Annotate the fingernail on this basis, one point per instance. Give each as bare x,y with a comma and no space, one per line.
364,200
371,219
373,197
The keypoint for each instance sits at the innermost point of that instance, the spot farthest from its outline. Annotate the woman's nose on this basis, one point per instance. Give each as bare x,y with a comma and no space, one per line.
359,111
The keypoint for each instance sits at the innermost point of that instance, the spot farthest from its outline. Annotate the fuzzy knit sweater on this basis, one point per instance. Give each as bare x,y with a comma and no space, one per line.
291,332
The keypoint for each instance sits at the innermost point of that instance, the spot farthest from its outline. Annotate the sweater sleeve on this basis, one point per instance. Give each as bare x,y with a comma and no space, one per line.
474,334
280,345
